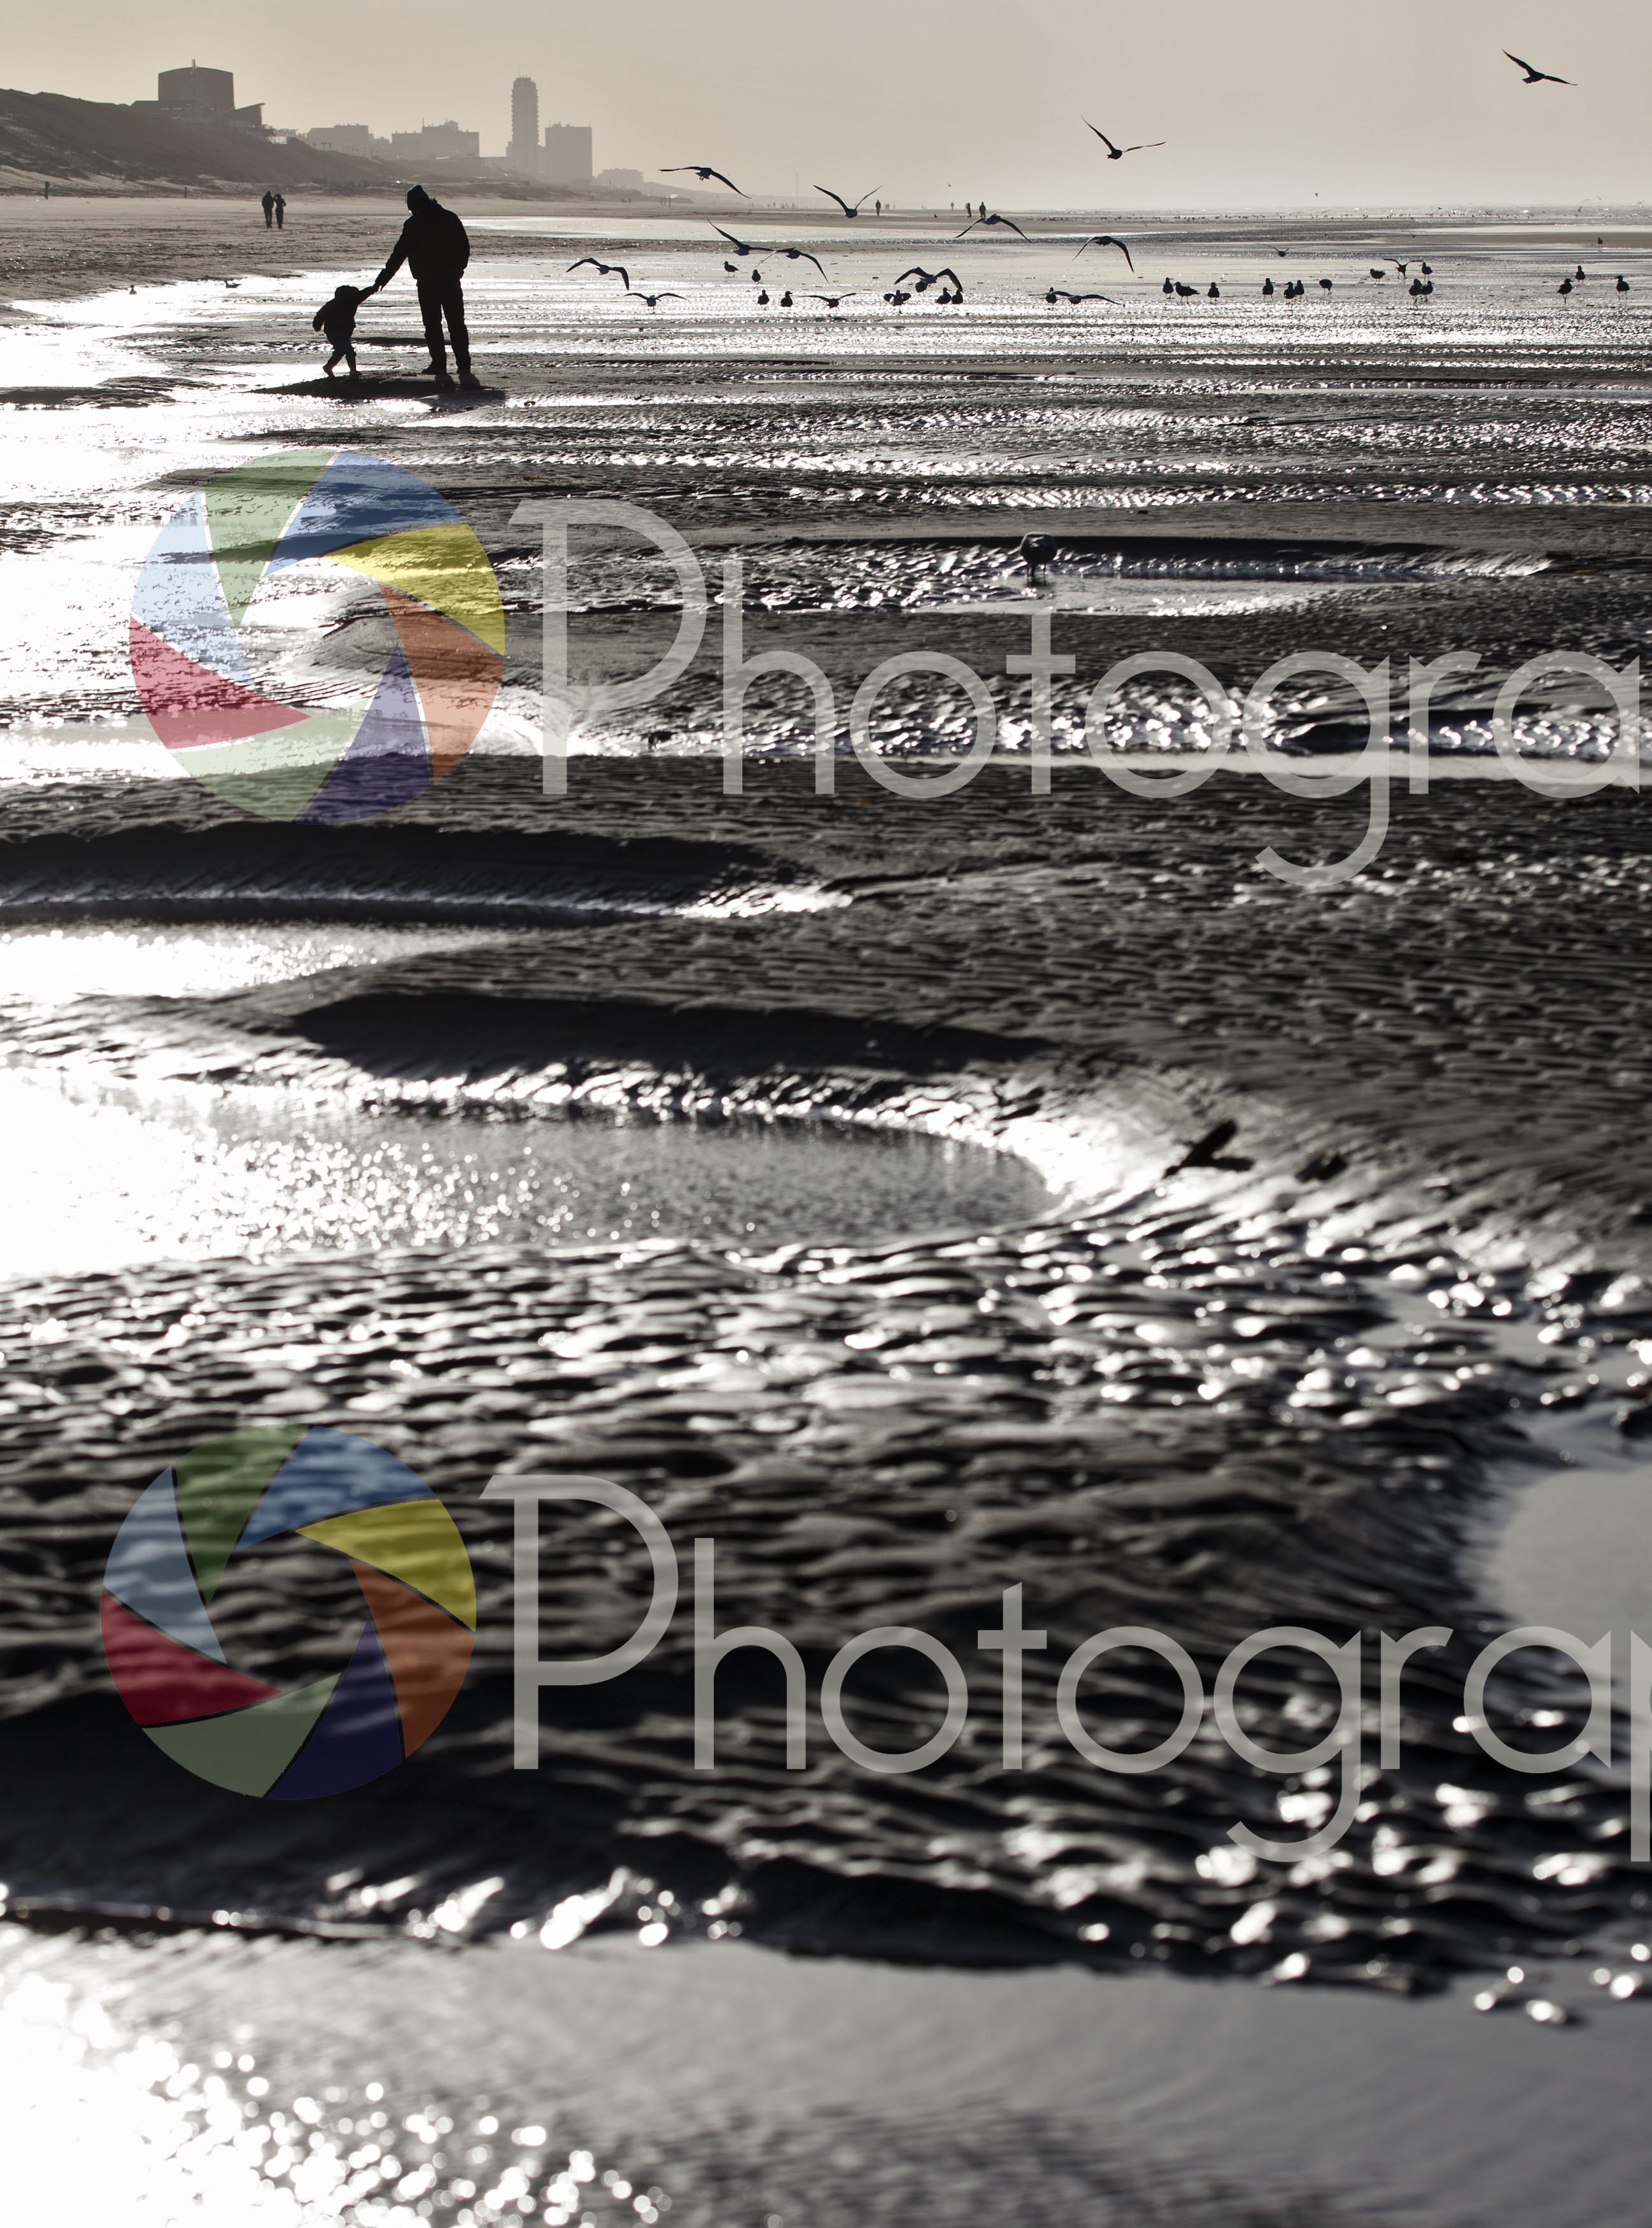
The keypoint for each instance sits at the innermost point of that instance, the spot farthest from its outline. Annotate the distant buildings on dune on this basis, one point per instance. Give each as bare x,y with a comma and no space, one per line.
203,96
560,155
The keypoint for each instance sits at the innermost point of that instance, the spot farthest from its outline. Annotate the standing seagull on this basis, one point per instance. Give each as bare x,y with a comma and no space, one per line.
1106,239
705,174
1536,76
848,210
1118,154
994,219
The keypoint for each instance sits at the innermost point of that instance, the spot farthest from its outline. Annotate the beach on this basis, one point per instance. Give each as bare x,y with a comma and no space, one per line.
1022,1184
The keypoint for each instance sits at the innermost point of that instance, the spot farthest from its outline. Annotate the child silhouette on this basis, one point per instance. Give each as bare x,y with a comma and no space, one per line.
336,319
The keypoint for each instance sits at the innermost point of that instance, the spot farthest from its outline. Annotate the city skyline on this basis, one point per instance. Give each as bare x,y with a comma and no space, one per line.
958,98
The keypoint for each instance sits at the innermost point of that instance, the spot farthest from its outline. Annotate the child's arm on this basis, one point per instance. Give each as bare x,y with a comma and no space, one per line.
315,323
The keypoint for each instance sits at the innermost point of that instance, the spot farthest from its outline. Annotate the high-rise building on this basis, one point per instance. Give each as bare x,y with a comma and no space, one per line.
523,152
567,160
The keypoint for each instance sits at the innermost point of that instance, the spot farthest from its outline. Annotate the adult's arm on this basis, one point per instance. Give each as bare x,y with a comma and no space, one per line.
398,256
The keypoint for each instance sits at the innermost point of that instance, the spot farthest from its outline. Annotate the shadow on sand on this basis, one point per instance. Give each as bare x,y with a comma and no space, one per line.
380,390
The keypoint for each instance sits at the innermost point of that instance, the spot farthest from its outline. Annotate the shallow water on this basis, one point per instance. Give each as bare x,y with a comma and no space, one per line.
105,1177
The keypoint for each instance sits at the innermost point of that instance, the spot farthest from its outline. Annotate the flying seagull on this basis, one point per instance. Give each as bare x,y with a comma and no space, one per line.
653,300
1106,239
797,255
1060,294
1536,76
995,219
831,300
1118,154
607,270
927,278
739,247
848,209
705,174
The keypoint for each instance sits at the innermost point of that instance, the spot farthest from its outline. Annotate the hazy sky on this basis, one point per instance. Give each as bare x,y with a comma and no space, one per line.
1263,101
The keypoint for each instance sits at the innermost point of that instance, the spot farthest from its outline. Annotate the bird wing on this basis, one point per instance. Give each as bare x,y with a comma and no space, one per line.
1102,136
740,247
1011,222
583,260
1093,298
802,255
624,273
947,272
918,272
1525,65
838,198
1142,143
969,228
1106,239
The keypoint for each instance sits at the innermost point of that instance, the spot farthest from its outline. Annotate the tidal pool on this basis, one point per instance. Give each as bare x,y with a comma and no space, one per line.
103,1175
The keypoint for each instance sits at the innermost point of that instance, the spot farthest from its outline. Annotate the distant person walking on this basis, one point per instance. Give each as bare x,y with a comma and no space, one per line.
436,248
280,212
268,205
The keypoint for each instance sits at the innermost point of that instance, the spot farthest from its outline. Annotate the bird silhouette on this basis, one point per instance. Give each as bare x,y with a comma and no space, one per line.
1375,273
1215,294
1580,272
786,302
1404,269
704,172
1428,271
734,268
1536,76
653,300
849,209
928,279
1060,294
797,255
1185,293
1325,286
1035,551
1563,288
995,218
1267,286
1169,287
762,299
1118,154
607,270
1622,284
832,301
740,247
1106,239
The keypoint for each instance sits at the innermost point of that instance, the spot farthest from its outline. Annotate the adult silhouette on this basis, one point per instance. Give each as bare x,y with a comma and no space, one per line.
436,248
268,207
280,212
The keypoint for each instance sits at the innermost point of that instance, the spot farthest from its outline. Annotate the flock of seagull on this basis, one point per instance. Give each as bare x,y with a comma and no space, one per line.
1420,288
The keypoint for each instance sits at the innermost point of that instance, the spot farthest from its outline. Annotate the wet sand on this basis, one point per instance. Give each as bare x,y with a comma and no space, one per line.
1364,1202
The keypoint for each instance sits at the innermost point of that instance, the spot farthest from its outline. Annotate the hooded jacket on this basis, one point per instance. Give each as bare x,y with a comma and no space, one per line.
434,243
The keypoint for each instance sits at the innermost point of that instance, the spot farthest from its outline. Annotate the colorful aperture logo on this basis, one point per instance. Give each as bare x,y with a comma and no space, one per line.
327,762
270,1519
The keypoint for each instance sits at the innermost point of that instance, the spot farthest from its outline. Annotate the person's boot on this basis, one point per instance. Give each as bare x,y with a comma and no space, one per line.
468,378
